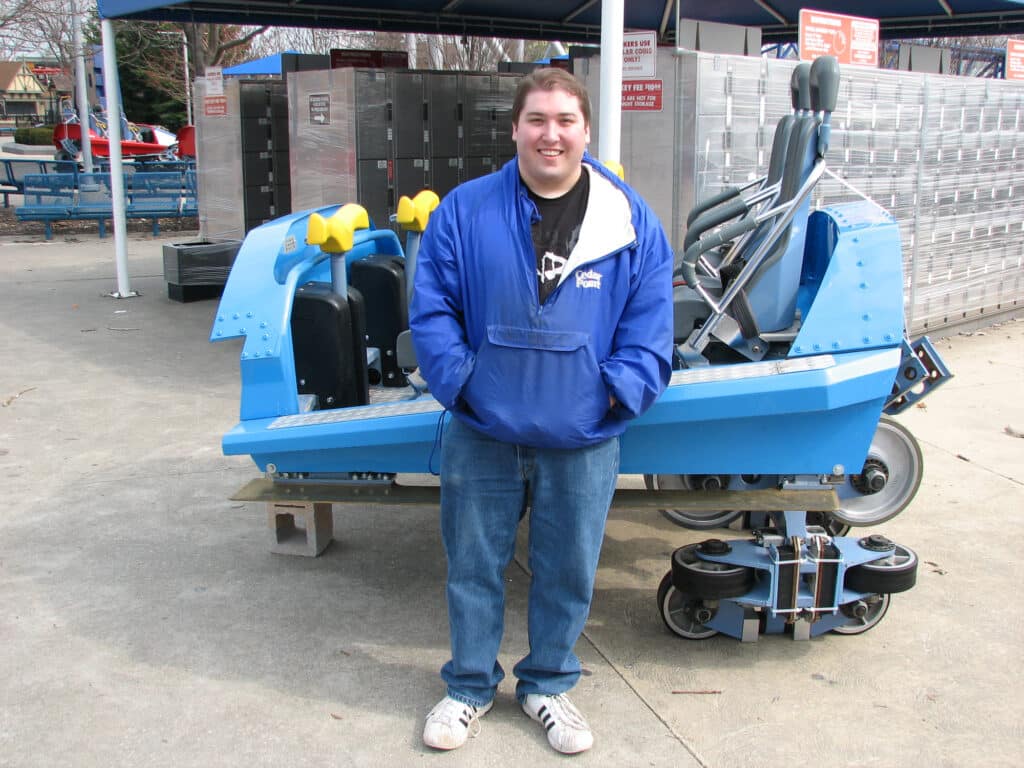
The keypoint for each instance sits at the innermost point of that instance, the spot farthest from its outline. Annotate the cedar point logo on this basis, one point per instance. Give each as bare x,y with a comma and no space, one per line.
588,279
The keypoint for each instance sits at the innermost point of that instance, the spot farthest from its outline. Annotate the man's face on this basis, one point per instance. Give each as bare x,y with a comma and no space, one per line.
550,137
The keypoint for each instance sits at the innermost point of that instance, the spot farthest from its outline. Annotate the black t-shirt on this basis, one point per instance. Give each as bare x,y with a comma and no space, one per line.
555,235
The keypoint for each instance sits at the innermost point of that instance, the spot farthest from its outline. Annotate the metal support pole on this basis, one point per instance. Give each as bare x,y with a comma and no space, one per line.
112,87
188,80
916,251
610,121
81,87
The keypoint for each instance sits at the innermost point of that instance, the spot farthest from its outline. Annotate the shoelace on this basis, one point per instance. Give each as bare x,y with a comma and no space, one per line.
559,710
448,714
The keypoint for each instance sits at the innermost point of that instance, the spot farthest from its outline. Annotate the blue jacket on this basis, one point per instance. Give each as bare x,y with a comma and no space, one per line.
532,374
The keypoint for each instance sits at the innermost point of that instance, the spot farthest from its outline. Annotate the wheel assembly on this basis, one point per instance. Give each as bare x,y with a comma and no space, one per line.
683,614
712,581
894,571
700,520
862,615
888,480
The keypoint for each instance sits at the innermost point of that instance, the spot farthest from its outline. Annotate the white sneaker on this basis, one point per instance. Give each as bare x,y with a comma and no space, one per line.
567,731
451,722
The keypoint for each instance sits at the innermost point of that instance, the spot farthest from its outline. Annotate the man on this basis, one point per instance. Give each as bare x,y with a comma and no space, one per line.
542,319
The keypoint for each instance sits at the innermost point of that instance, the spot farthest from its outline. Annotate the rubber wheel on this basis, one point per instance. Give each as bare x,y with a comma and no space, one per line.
694,520
677,611
896,572
895,449
855,625
708,580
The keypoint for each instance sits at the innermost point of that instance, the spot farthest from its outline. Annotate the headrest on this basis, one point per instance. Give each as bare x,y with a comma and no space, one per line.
800,86
824,83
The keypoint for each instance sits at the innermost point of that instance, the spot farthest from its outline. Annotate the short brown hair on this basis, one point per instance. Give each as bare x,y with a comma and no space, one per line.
548,79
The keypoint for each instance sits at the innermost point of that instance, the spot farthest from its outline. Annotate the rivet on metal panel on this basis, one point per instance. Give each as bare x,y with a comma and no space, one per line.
248,314
266,336
863,286
241,330
867,339
234,316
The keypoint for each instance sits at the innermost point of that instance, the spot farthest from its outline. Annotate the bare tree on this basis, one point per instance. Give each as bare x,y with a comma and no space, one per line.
34,27
211,45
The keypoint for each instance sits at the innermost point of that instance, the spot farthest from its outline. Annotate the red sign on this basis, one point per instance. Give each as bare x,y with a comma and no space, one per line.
215,106
1015,59
641,95
851,39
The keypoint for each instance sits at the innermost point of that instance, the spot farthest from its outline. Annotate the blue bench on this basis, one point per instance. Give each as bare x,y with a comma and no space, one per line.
13,173
158,195
155,195
49,197
95,200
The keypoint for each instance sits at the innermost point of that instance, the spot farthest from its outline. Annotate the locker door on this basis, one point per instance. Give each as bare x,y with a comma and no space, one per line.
408,115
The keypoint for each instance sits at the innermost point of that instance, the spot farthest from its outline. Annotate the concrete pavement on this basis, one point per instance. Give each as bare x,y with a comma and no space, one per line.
145,622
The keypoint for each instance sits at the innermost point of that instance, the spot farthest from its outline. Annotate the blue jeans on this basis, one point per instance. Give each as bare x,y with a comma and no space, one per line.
485,487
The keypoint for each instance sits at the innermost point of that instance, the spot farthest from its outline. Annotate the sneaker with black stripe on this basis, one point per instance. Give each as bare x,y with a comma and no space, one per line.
451,722
567,731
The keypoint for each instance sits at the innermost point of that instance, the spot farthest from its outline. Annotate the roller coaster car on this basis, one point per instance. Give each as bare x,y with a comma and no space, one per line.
790,346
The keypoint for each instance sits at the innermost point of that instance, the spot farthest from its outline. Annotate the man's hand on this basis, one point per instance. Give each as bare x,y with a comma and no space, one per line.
612,402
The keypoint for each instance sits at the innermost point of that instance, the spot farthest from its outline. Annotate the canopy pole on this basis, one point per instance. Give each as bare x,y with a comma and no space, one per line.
610,119
112,87
81,89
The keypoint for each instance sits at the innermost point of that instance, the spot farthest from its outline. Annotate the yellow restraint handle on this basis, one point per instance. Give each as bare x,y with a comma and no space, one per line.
414,214
335,234
616,168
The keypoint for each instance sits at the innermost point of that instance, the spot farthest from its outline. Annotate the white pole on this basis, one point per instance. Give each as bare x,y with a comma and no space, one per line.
112,87
82,100
188,81
610,118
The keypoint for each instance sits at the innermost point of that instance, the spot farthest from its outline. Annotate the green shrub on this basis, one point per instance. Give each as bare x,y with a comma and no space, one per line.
34,136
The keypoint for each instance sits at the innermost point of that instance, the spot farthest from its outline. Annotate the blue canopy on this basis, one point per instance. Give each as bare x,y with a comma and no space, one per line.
579,20
268,65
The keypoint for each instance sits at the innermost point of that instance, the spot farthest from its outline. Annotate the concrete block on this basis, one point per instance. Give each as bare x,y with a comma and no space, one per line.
300,528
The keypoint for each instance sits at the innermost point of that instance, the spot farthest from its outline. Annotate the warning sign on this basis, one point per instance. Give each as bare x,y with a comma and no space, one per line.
638,54
641,95
851,39
1015,59
215,106
319,109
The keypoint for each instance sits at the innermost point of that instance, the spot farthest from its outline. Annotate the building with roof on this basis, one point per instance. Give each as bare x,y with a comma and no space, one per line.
23,96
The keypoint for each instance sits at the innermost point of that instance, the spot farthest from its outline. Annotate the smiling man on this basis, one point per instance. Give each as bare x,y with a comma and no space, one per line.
542,319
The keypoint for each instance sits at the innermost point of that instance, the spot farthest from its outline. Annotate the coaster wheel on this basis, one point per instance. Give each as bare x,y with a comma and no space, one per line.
697,520
895,572
705,578
683,614
887,482
862,615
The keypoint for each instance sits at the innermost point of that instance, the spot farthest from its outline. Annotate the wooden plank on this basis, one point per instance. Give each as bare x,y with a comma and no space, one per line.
766,500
